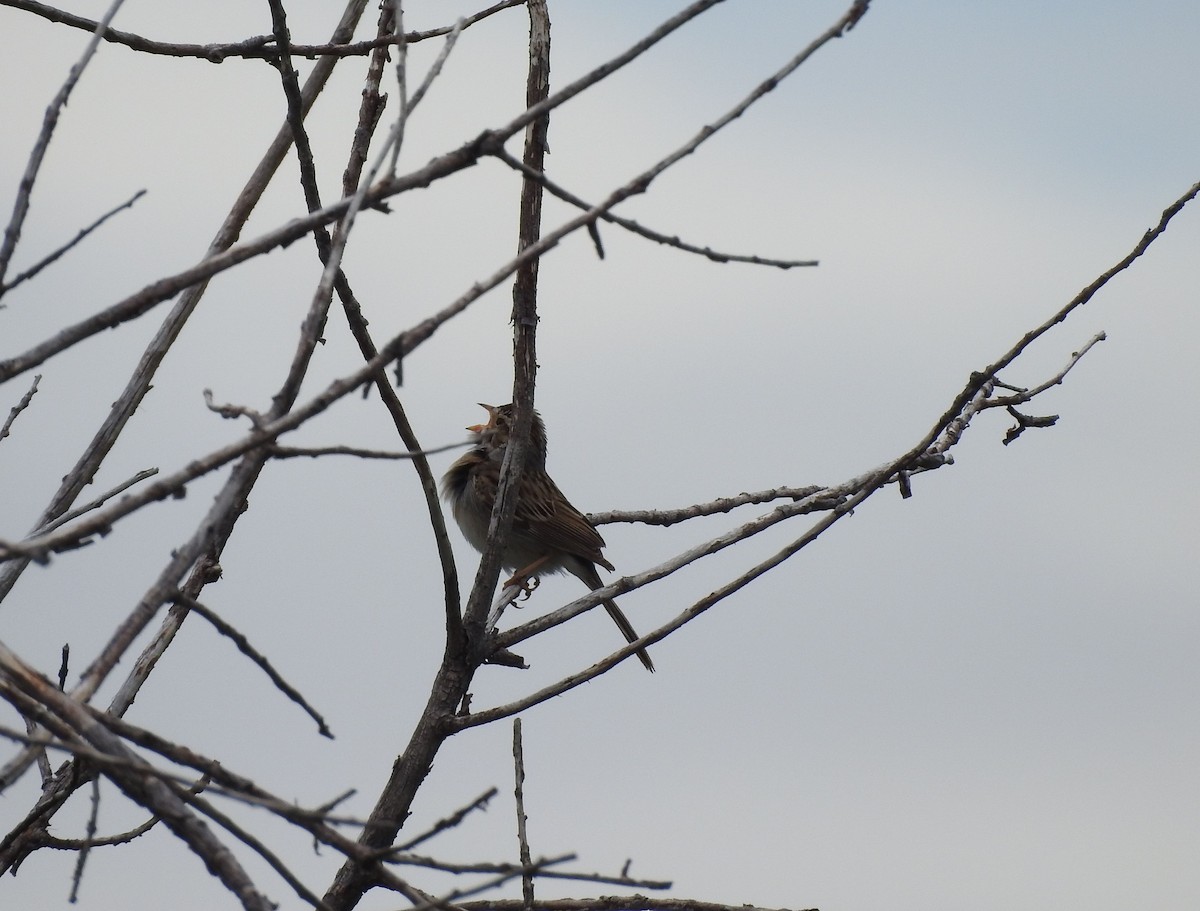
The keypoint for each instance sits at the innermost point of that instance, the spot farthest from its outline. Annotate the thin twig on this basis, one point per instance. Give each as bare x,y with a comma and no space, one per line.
1022,396
838,500
435,68
293,452
98,501
506,596
43,760
453,897
47,260
442,825
982,377
432,863
397,138
244,646
667,517
636,228
12,232
620,880
108,841
260,47
254,844
611,903
122,838
519,793
229,411
331,250
20,406
82,856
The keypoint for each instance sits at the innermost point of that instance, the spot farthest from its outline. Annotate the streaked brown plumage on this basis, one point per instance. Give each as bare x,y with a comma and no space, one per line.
548,535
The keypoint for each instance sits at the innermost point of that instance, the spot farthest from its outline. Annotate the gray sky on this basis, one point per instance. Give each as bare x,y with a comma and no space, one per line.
982,697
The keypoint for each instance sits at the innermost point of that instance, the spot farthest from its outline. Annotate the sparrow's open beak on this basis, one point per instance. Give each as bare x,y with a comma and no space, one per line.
479,428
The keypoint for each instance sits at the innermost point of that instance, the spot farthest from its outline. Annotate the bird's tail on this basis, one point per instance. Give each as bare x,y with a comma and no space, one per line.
592,579
628,632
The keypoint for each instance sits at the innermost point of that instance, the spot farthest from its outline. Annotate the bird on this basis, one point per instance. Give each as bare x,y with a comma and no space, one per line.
548,534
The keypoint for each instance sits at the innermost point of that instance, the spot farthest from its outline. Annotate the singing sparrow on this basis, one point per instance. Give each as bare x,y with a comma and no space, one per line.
548,534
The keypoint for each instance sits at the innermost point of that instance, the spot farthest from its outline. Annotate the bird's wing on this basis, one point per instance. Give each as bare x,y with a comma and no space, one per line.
548,517
543,514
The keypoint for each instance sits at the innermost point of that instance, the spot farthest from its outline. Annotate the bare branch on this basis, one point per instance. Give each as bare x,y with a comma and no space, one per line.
870,483
12,232
634,227
488,885
524,853
611,903
1024,422
621,880
844,23
42,759
479,803
215,776
399,346
146,790
260,47
1024,395
396,139
84,844
52,257
244,646
531,870
435,68
80,844
978,380
81,859
139,383
904,462
98,501
25,838
255,844
20,406
230,411
293,452
407,105
667,517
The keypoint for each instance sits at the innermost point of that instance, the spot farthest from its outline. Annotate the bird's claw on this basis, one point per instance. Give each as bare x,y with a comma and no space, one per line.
525,584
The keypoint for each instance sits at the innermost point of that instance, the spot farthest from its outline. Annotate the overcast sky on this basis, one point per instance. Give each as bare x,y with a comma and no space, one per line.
982,697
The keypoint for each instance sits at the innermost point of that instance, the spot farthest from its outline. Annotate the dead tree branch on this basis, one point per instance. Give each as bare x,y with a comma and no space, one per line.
259,47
